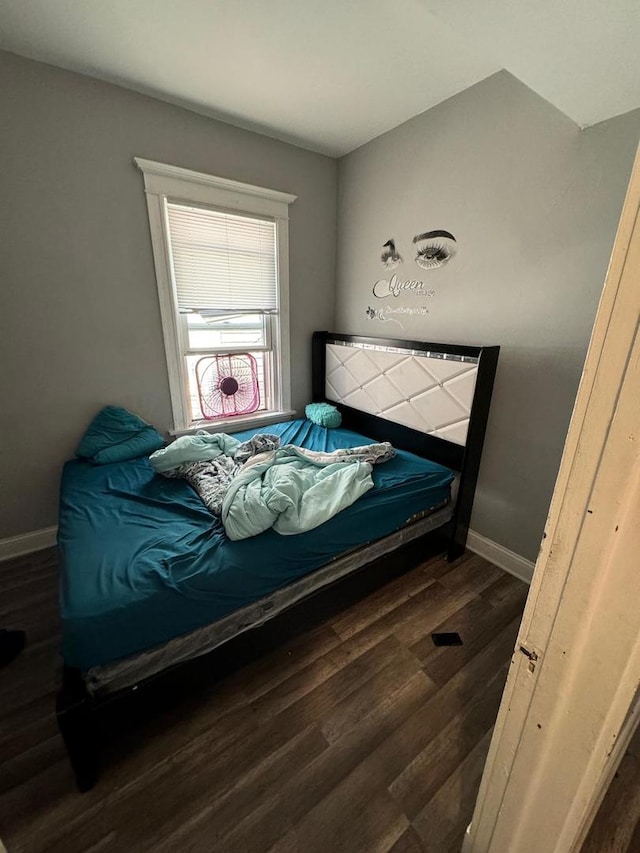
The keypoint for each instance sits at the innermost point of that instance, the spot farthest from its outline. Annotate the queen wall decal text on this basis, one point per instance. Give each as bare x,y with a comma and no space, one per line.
394,286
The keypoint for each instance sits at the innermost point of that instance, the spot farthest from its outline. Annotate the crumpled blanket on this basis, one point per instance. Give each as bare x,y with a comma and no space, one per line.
221,457
257,484
294,490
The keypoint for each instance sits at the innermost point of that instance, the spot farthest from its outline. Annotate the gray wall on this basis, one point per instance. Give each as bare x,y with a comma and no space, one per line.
533,202
79,315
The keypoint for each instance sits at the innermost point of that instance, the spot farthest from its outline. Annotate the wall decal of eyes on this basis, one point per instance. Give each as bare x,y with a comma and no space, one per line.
390,257
434,249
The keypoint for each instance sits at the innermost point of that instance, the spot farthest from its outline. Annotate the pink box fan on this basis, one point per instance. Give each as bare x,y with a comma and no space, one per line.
227,385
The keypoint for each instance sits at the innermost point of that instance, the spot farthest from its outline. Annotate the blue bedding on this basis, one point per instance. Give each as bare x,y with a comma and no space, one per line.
143,560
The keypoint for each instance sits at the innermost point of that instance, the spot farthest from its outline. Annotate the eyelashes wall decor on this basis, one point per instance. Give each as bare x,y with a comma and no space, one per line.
390,257
433,250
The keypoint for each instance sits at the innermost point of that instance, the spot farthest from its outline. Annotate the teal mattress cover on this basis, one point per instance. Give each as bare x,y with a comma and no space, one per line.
143,560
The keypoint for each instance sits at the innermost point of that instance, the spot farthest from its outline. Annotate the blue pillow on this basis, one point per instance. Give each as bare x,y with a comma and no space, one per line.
117,435
323,414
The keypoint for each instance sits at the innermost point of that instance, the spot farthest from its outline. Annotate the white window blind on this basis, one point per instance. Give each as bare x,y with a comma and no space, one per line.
222,261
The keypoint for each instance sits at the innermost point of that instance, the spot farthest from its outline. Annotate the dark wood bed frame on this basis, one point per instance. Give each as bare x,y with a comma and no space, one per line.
86,721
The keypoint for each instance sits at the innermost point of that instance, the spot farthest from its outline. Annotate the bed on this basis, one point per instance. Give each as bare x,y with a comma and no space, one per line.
150,582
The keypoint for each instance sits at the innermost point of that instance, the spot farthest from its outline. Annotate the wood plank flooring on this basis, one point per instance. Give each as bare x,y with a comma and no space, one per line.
358,736
616,827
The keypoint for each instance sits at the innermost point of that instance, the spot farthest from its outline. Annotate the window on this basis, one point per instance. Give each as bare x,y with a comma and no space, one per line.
221,257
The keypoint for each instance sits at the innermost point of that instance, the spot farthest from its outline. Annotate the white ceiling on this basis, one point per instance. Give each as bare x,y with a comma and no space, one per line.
332,74
581,55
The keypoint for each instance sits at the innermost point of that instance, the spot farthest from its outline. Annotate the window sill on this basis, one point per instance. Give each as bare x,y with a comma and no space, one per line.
235,424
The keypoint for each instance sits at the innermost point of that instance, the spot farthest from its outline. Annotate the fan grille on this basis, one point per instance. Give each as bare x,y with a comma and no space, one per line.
227,385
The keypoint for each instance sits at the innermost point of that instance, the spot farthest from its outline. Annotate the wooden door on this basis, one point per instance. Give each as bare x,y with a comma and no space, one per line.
570,703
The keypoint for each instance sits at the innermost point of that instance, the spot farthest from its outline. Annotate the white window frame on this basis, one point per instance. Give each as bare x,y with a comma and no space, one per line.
163,183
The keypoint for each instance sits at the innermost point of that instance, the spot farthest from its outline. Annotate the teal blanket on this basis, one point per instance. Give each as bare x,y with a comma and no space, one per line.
294,490
257,484
202,447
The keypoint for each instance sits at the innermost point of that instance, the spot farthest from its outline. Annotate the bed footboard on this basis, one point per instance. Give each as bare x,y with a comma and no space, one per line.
87,722
77,725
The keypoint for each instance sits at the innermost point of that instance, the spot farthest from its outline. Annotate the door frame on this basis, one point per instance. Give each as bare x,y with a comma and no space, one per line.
570,703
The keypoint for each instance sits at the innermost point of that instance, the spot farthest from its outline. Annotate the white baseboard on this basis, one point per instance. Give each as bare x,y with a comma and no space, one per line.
27,543
500,556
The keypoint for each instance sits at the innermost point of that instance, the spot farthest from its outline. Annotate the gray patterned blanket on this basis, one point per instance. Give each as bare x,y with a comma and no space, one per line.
211,478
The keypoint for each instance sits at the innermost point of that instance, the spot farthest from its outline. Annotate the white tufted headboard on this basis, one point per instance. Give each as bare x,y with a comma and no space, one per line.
430,399
426,390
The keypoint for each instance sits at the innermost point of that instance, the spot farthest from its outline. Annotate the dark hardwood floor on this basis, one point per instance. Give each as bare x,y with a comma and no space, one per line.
616,827
358,736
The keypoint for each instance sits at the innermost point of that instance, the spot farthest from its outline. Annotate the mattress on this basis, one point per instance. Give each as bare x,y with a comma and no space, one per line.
143,561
